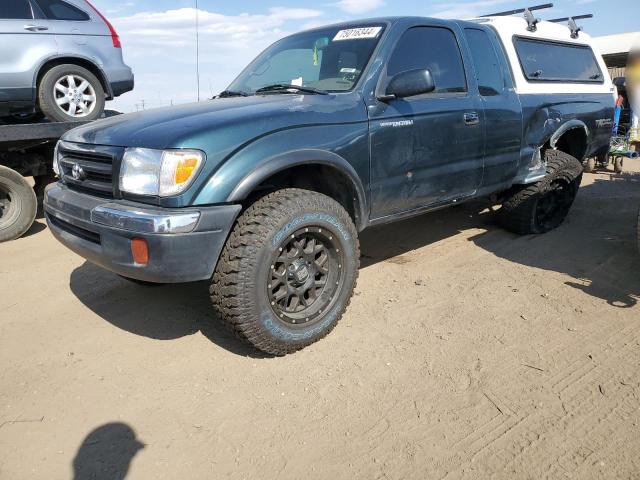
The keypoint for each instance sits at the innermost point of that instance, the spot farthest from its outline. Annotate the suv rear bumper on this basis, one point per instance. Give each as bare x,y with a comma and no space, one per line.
101,231
122,86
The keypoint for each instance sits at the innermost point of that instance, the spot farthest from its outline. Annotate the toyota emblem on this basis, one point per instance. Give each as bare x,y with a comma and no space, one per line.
77,172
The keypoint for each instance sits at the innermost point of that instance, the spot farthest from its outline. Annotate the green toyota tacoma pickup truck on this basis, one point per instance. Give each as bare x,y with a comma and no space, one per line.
263,190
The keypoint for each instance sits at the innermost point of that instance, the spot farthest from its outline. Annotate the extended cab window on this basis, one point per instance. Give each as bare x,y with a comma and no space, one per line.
485,60
15,9
59,10
544,61
432,48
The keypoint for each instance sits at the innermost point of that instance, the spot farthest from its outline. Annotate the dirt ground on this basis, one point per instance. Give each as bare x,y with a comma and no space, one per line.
468,352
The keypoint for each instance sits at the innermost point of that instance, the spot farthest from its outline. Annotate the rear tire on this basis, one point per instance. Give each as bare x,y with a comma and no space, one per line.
543,206
287,272
18,205
85,100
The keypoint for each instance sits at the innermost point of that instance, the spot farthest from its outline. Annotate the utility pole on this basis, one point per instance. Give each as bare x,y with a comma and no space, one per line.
198,49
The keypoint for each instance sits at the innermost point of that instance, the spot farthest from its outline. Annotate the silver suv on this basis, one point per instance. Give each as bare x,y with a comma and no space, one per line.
59,57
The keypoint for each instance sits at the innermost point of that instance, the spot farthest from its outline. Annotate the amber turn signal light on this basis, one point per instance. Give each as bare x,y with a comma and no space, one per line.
140,251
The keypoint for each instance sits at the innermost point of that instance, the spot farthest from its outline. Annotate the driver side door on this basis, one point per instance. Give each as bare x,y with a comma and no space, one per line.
428,149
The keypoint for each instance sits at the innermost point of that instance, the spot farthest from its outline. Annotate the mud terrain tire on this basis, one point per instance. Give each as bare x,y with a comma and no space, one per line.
543,206
284,243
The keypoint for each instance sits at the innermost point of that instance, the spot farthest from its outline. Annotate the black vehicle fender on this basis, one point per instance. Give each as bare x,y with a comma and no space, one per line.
564,128
282,162
532,167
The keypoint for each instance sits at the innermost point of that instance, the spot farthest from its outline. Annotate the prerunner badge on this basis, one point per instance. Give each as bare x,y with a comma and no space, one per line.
357,33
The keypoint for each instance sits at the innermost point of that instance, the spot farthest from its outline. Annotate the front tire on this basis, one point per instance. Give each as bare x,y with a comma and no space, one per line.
543,206
288,270
69,93
18,205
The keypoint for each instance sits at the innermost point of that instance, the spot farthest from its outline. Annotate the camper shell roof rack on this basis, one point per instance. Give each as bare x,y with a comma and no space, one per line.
531,19
575,29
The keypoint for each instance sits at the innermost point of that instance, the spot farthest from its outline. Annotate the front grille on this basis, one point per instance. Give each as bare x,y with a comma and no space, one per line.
89,168
87,235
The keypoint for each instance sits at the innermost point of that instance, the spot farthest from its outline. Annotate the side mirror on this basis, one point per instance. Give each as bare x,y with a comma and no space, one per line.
410,84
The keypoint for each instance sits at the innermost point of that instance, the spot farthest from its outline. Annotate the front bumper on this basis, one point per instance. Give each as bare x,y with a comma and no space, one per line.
101,231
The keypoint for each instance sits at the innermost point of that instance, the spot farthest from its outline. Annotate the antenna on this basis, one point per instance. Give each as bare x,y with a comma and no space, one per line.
198,49
575,29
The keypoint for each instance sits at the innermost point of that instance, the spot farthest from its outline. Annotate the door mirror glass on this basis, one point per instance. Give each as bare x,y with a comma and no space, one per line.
410,84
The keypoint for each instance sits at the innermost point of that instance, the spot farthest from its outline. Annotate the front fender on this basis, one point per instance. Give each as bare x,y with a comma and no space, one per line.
282,162
343,147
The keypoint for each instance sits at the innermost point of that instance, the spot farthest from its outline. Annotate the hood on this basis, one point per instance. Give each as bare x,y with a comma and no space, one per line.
219,124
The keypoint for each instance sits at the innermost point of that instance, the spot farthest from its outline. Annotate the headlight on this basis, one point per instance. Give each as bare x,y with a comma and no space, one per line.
56,166
159,172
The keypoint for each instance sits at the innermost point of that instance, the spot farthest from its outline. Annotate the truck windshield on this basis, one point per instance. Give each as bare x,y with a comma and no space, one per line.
326,60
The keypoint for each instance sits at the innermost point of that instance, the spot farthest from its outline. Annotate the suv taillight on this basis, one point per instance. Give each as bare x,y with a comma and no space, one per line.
114,35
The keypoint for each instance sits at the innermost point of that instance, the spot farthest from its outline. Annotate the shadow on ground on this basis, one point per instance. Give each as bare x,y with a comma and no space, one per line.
596,246
163,312
106,453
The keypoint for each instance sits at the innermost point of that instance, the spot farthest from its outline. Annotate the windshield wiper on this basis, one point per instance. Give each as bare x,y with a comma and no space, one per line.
232,93
283,87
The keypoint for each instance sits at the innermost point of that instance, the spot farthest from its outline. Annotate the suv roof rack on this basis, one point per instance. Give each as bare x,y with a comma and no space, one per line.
529,17
575,29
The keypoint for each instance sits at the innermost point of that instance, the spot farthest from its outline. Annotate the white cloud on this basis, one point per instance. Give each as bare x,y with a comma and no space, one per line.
161,49
359,6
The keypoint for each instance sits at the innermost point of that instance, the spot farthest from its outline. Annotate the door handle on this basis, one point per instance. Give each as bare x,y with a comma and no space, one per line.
35,28
471,118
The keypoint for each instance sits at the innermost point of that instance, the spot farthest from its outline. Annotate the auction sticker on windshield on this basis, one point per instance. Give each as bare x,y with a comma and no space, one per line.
357,33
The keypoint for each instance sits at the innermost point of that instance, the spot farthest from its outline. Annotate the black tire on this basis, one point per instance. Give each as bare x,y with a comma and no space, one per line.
47,94
590,165
618,164
543,206
251,274
18,205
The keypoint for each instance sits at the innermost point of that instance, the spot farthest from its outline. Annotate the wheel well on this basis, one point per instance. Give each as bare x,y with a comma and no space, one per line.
573,142
318,178
74,61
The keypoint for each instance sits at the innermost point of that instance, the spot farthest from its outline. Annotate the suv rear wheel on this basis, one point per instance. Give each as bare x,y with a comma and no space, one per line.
69,93
287,271
543,206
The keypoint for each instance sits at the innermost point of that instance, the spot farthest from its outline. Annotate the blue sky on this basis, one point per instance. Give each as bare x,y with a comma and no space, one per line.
159,35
